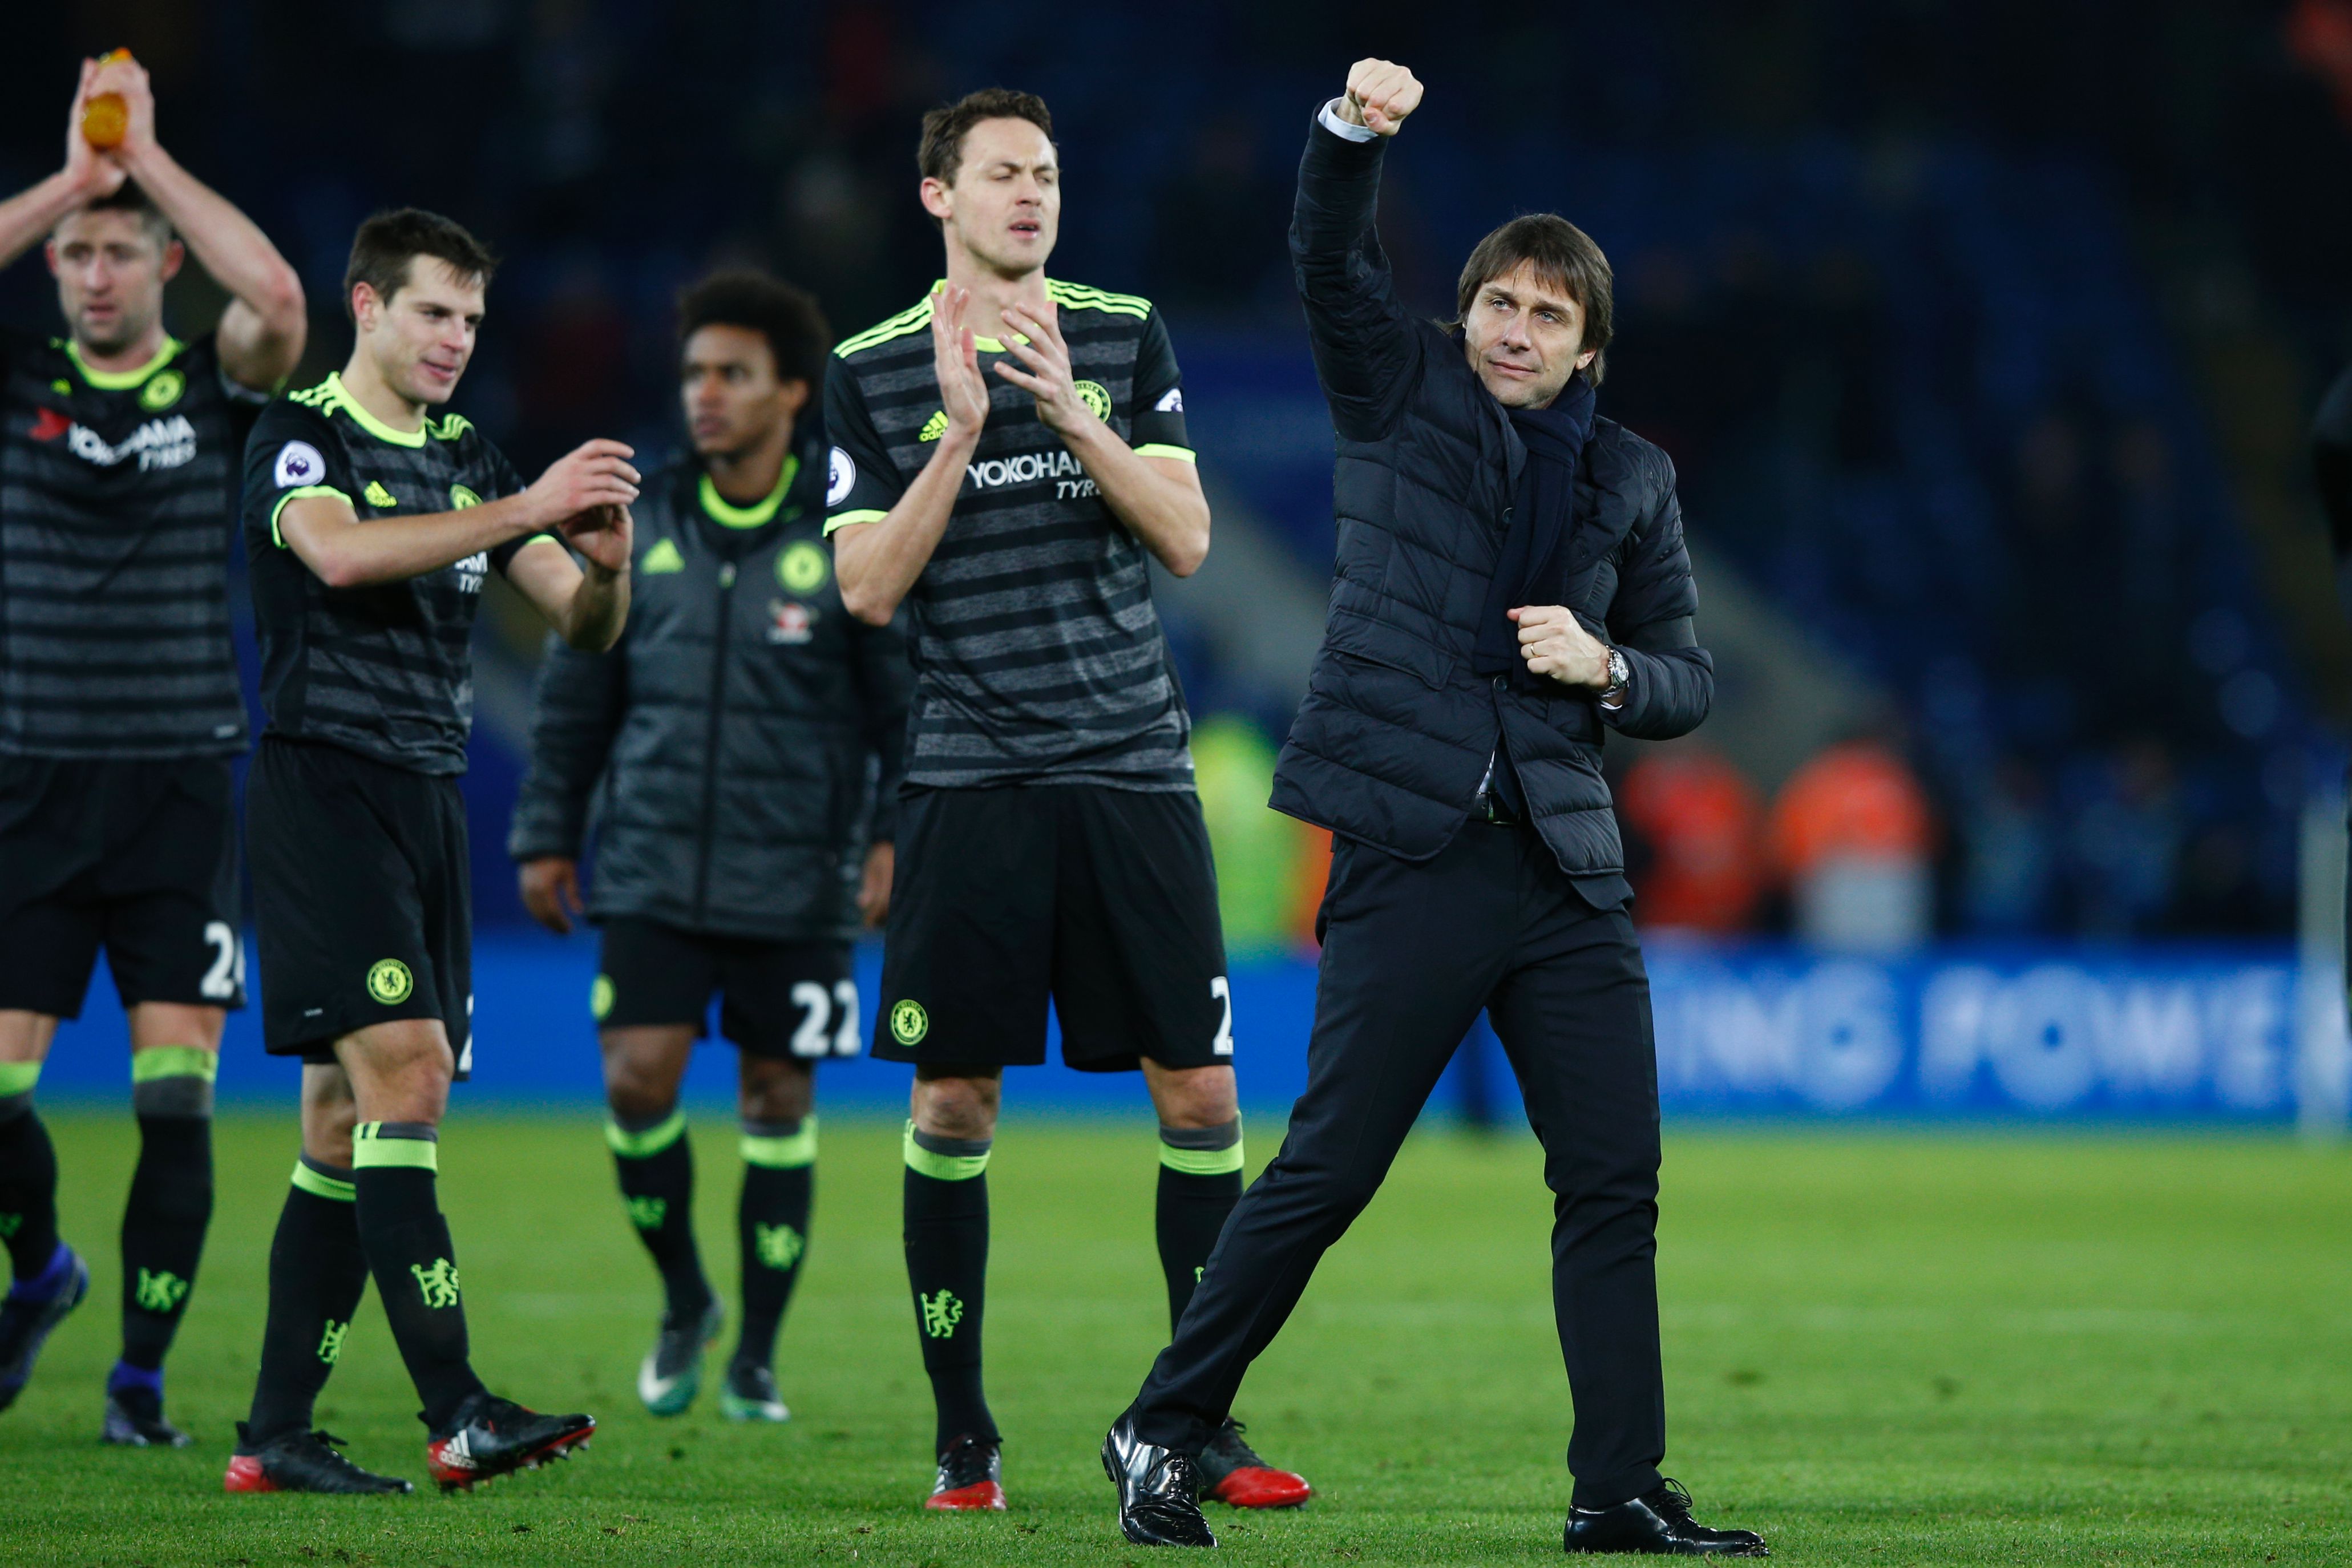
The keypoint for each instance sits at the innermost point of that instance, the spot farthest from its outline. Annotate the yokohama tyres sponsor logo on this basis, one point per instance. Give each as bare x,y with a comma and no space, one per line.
158,444
1068,475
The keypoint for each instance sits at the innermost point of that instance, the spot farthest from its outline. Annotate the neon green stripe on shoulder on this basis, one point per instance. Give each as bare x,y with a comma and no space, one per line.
1079,297
910,320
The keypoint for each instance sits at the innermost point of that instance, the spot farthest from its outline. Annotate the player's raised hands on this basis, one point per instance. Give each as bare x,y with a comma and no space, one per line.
955,360
1380,93
93,172
593,474
1047,375
129,78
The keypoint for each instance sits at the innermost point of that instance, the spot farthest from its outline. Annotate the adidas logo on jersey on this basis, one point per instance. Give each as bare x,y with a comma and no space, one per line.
158,444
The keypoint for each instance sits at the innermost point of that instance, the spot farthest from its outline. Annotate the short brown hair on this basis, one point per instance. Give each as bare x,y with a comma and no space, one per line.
387,242
127,197
787,317
1563,256
940,152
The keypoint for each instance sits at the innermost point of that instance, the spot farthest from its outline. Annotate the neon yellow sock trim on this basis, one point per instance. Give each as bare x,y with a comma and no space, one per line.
309,1180
174,1061
782,1154
651,1141
371,1148
941,1167
1202,1162
18,1077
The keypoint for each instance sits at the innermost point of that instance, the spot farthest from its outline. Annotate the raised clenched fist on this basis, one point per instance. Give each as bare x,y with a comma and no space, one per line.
1380,93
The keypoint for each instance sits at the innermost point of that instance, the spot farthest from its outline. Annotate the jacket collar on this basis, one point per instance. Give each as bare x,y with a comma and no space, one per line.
800,493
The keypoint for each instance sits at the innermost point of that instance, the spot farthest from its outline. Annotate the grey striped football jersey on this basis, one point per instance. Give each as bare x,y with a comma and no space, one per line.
385,670
116,496
1038,656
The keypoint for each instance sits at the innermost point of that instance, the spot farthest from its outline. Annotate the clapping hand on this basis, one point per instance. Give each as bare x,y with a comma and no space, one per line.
955,360
93,172
1047,375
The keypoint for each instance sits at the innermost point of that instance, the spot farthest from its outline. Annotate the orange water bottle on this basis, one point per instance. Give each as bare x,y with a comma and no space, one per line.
105,119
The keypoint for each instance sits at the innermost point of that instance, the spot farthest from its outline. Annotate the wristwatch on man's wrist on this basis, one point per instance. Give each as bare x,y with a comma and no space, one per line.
1619,675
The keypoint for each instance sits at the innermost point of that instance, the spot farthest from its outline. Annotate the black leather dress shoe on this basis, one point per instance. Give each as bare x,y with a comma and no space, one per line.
1159,1490
1658,1523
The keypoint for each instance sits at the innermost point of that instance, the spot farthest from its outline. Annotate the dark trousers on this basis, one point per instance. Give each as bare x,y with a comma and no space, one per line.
1411,953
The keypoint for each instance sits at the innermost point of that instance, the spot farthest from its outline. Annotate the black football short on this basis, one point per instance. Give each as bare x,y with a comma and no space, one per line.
362,900
1102,900
793,999
135,856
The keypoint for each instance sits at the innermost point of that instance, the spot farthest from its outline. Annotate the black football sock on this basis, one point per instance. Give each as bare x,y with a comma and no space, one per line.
170,1199
946,1230
656,1163
317,1275
415,1268
1199,1182
28,1178
772,1227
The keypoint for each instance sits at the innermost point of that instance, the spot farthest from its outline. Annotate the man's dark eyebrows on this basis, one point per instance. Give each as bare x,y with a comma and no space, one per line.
1558,304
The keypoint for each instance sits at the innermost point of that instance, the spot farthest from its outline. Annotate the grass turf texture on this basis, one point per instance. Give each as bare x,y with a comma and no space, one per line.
1880,1348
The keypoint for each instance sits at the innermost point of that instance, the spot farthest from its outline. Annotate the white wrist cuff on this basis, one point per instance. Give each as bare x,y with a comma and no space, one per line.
1340,128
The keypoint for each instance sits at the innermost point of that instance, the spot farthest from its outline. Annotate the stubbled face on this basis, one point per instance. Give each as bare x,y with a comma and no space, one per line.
110,270
734,401
1004,205
422,338
1525,338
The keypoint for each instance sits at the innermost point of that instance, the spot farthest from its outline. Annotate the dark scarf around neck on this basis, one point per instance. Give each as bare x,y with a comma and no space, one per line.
1530,570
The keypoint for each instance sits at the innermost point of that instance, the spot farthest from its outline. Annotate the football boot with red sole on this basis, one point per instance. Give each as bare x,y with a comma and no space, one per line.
302,1462
971,1478
1233,1474
494,1438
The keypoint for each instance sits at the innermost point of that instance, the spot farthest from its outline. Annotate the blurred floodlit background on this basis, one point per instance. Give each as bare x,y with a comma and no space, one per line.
1985,337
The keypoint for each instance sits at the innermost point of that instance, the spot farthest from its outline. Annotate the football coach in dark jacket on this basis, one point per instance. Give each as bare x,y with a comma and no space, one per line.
1511,584
741,746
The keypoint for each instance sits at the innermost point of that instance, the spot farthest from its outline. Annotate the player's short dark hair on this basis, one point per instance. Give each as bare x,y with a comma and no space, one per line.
387,242
1563,256
940,152
127,197
788,317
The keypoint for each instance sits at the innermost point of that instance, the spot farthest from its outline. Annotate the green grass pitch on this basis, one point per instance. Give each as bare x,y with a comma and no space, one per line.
1880,1348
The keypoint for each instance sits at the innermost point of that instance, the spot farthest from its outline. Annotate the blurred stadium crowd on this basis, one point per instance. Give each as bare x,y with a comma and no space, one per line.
1984,335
